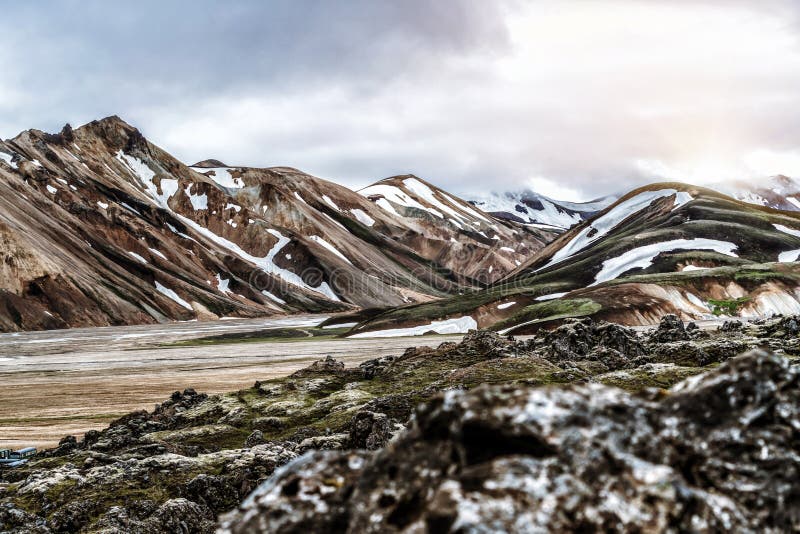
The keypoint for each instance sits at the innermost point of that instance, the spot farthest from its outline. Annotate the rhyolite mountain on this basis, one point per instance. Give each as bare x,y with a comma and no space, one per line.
665,248
99,226
437,217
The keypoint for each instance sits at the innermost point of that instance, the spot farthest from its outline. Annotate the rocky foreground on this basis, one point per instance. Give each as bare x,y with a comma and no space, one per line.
574,429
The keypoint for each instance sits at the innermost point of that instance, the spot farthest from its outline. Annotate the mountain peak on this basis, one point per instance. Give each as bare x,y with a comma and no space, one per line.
209,164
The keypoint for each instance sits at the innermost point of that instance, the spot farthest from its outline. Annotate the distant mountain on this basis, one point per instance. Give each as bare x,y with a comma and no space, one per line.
664,248
99,226
779,192
532,208
454,232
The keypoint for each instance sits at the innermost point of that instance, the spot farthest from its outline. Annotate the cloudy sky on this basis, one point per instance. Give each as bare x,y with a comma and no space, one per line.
575,99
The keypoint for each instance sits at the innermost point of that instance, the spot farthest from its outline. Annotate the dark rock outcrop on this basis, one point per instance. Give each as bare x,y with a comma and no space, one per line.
719,453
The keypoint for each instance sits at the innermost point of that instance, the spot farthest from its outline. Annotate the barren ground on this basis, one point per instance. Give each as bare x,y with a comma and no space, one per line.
62,382
69,381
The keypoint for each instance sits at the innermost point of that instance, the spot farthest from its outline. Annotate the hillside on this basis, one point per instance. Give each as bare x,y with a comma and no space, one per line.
99,226
454,232
665,248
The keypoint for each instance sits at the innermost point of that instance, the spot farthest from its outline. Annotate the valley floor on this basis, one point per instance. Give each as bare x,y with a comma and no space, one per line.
64,382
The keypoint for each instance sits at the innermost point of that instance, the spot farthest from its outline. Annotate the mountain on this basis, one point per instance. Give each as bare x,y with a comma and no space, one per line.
664,248
100,226
532,208
452,231
779,192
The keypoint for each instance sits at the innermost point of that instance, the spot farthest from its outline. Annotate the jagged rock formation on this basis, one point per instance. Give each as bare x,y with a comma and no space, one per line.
662,249
99,226
718,453
196,456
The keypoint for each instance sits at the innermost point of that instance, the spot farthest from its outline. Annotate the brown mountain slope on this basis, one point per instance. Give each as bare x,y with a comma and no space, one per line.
480,245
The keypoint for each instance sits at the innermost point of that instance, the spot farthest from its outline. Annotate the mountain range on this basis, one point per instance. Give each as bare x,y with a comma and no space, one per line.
661,249
99,226
527,206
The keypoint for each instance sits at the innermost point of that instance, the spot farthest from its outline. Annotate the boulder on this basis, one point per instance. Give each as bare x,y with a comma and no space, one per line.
670,329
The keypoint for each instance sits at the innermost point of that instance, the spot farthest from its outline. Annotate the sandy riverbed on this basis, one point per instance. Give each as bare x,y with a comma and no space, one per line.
67,382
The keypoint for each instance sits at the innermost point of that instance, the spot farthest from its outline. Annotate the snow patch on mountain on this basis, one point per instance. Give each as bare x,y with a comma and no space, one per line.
395,195
787,230
199,202
330,202
362,217
607,222
221,176
137,257
532,208
386,206
688,268
157,253
426,194
789,255
779,192
7,158
551,296
170,294
459,325
317,239
272,297
266,263
642,257
223,283
145,174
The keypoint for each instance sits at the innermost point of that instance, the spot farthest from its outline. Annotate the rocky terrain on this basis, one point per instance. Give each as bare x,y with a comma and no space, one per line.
99,226
661,249
567,428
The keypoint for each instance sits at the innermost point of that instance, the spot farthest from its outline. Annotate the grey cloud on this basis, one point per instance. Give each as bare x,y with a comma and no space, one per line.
90,53
355,91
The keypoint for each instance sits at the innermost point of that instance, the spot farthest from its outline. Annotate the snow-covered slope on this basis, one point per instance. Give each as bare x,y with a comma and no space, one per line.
532,208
